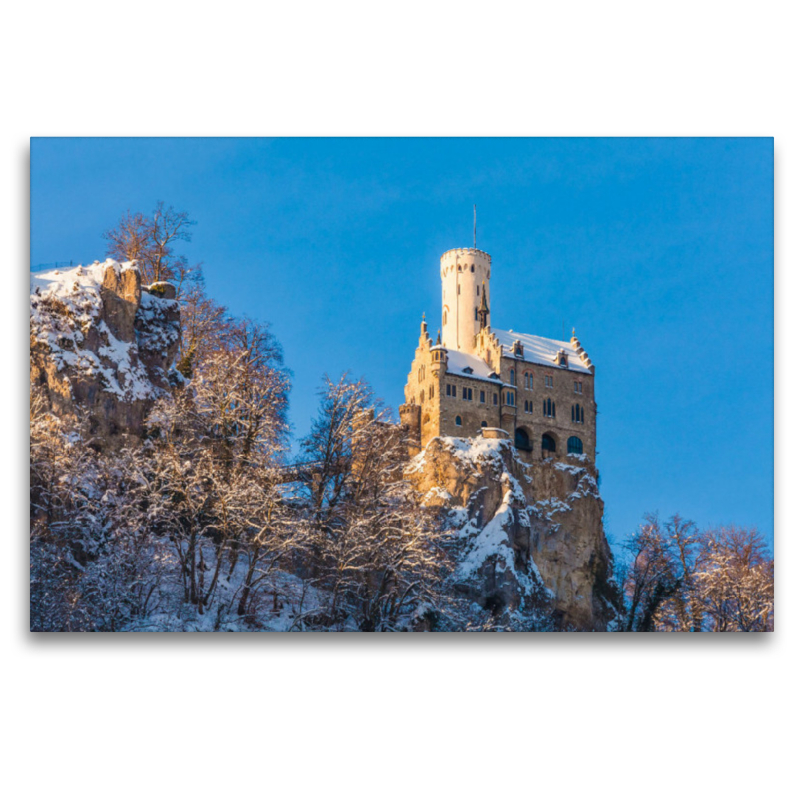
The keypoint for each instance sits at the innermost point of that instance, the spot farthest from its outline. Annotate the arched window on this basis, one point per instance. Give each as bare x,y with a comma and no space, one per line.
521,439
574,446
510,398
431,392
483,424
549,408
472,268
528,380
577,413
444,317
548,444
458,421
513,376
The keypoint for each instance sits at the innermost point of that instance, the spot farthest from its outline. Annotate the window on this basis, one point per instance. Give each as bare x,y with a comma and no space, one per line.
459,288
466,393
494,400
444,318
421,373
472,268
483,424
577,414
549,408
548,381
578,387
431,392
548,445
450,390
478,290
458,421
422,397
513,377
483,396
510,398
574,446
522,440
476,313
529,406
529,380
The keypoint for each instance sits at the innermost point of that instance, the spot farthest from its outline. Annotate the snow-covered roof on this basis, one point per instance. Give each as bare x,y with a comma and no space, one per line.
538,350
457,362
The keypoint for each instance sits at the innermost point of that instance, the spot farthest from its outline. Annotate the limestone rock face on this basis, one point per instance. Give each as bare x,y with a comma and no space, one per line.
529,537
103,343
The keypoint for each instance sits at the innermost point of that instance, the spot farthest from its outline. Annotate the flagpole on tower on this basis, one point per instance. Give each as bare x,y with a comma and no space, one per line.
475,226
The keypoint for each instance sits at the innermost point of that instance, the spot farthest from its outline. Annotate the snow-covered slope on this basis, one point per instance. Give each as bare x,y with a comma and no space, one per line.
529,536
102,342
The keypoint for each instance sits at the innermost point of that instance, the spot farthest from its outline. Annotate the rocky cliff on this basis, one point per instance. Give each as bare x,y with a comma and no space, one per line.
102,341
529,538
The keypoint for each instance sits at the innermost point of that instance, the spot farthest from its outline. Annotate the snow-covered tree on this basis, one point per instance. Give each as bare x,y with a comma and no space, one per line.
680,579
376,554
735,580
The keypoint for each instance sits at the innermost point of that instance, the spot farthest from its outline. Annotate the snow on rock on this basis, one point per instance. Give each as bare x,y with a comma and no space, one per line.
528,538
99,342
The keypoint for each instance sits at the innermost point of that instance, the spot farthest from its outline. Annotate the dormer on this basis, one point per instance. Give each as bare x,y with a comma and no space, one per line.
561,358
517,350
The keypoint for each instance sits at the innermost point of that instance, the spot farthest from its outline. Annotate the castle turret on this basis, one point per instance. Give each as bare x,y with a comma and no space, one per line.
465,288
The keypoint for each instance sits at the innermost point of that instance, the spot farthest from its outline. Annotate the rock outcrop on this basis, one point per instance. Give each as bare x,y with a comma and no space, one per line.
103,342
529,537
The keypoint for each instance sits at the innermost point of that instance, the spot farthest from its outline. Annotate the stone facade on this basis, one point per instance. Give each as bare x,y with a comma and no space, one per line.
541,391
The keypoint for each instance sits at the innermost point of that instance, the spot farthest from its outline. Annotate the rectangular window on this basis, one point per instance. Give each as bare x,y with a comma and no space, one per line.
548,381
495,398
466,393
578,387
510,398
483,396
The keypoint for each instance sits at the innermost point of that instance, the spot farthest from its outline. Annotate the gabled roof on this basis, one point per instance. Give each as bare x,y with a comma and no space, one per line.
538,350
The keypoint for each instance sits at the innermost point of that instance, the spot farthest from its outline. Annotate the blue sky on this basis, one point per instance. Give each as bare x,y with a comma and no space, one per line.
658,251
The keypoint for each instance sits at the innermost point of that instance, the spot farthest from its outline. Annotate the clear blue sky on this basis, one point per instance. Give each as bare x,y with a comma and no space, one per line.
658,251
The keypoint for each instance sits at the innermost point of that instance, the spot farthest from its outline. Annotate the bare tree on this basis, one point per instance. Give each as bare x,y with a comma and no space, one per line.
151,242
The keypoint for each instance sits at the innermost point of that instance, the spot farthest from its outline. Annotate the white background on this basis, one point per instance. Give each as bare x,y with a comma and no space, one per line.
355,716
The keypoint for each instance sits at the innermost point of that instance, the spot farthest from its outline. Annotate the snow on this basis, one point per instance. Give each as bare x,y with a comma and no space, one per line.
457,362
538,350
66,305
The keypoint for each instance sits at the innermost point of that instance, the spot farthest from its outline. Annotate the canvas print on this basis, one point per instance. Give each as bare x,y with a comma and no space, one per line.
401,385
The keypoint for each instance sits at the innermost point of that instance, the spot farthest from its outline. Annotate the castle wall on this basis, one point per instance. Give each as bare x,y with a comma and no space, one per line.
438,410
563,395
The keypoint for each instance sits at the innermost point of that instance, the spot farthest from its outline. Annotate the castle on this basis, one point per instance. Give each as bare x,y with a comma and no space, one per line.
478,380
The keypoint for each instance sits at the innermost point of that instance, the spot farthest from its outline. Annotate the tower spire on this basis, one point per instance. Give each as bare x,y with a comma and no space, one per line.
483,308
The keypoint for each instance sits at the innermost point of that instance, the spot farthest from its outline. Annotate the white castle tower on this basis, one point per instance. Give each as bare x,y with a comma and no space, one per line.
465,277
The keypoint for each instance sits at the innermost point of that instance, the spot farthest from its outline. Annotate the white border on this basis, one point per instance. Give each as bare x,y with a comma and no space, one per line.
602,716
